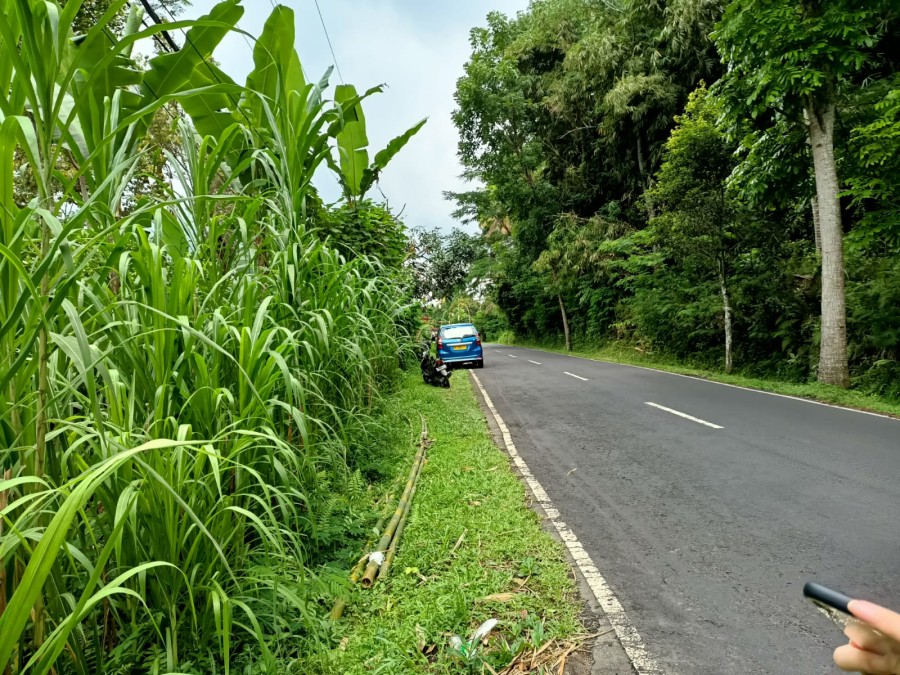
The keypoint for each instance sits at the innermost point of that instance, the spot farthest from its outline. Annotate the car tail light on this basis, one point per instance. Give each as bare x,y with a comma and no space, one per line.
440,343
477,340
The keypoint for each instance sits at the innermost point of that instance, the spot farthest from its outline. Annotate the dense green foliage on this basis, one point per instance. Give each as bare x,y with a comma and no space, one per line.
188,374
646,171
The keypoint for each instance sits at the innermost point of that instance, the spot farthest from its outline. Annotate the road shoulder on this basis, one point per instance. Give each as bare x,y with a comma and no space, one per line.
607,656
471,551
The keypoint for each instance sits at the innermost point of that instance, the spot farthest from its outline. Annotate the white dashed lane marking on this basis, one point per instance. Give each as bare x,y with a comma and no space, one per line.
685,416
577,377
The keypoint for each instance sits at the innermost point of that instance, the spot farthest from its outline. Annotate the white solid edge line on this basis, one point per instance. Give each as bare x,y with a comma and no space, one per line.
579,377
722,384
685,416
628,636
534,362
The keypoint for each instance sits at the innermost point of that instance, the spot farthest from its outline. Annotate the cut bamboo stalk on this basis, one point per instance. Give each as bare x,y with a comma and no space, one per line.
384,543
385,568
338,610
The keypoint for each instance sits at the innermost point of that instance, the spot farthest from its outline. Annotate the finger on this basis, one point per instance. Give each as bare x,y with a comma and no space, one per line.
881,619
854,660
867,639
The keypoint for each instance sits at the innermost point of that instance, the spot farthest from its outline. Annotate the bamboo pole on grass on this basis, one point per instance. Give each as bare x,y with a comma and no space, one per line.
338,610
385,541
385,568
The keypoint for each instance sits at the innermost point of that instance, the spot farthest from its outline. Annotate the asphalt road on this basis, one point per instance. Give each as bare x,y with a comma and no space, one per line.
706,535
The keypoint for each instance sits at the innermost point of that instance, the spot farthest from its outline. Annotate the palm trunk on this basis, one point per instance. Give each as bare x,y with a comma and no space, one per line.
833,367
726,307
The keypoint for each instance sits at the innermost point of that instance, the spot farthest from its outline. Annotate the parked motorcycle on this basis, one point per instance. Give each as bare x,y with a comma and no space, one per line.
434,371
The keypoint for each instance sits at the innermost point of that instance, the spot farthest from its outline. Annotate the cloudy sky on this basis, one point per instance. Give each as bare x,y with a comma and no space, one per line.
417,48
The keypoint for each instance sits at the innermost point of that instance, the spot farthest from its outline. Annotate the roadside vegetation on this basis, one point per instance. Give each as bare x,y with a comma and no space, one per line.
472,551
713,182
193,348
198,354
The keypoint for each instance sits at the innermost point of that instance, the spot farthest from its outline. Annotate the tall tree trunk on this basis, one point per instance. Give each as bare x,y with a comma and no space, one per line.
833,367
562,310
565,319
726,308
817,227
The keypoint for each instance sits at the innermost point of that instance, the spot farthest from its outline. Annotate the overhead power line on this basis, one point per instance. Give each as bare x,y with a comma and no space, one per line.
328,38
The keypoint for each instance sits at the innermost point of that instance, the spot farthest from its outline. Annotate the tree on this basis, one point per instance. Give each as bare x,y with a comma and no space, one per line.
697,222
550,263
91,12
790,58
564,111
565,114
574,254
441,263
873,171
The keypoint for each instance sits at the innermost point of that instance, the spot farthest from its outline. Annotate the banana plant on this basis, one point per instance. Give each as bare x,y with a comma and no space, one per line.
356,175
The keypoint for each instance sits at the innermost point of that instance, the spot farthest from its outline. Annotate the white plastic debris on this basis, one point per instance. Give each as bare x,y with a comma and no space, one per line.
483,631
469,650
377,557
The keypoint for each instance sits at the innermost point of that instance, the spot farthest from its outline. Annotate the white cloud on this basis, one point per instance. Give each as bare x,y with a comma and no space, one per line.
416,48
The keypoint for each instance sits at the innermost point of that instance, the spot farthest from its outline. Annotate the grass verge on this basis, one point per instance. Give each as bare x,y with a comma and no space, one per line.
618,352
472,550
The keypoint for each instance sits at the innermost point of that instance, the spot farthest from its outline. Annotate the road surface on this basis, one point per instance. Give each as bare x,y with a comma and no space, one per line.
706,507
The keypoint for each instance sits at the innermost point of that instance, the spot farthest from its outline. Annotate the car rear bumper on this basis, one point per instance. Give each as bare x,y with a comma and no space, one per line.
457,360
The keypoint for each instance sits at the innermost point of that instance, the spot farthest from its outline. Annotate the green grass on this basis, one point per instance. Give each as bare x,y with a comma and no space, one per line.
618,352
467,492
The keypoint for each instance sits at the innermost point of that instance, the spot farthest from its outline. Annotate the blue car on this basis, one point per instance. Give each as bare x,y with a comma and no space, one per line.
459,344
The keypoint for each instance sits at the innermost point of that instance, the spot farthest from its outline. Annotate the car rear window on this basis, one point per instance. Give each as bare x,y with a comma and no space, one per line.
459,332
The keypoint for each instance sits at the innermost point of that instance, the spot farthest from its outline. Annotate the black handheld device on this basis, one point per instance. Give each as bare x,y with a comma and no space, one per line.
827,598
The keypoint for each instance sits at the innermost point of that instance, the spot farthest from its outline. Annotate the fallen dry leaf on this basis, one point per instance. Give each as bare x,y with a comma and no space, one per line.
498,597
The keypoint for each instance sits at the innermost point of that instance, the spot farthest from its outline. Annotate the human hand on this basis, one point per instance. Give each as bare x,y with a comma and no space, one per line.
874,646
